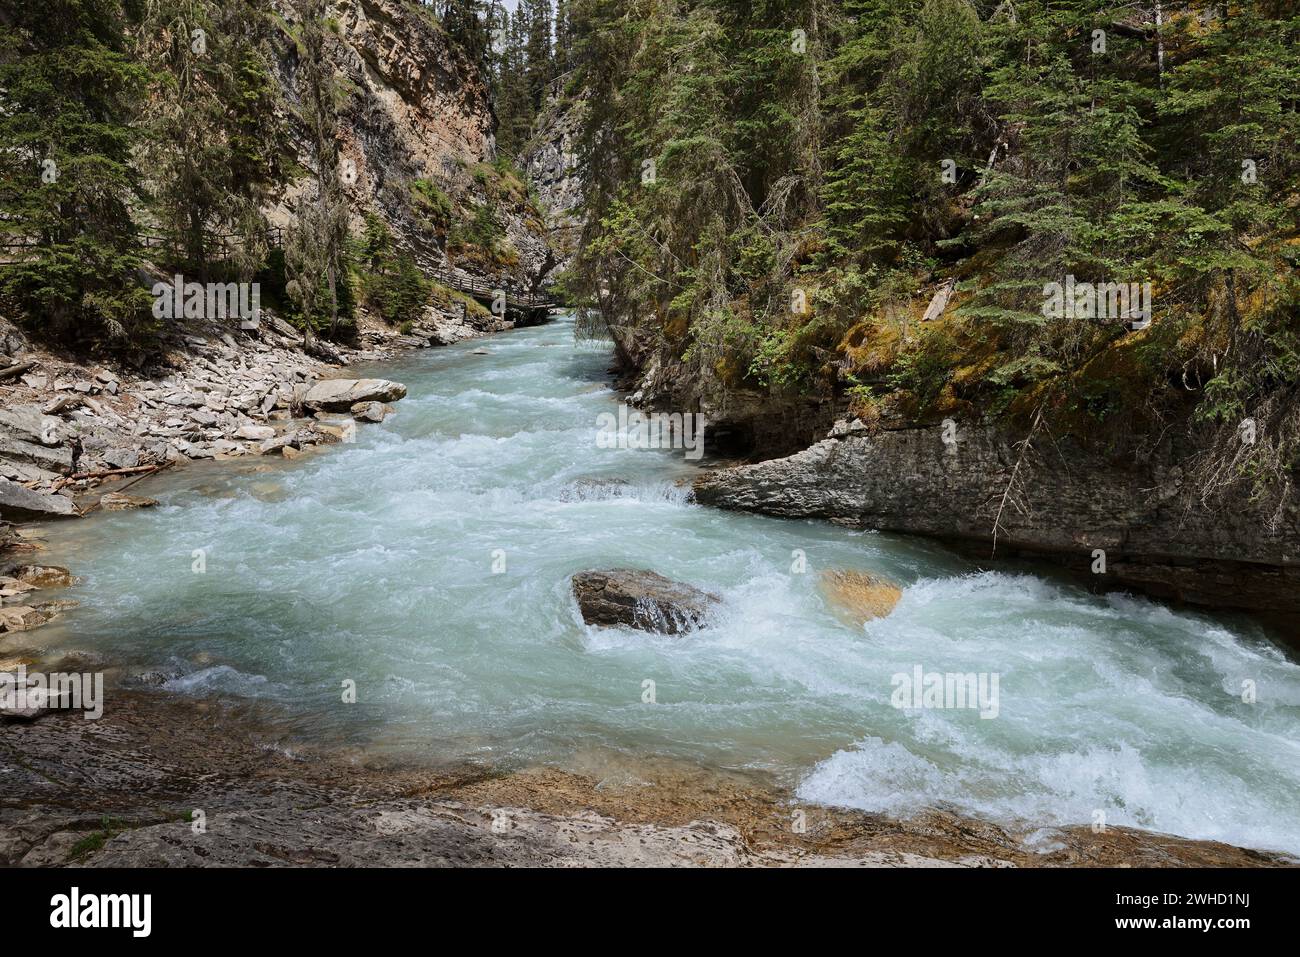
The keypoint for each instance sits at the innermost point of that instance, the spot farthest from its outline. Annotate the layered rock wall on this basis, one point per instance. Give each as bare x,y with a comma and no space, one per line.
1051,500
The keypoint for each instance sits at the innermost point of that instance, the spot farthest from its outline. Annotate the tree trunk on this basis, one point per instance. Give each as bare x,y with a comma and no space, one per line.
1160,43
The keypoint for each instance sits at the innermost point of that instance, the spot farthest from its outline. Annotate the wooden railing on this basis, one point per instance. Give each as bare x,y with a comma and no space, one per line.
481,288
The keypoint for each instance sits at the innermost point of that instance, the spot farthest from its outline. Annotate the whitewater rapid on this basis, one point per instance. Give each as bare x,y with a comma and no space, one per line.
428,565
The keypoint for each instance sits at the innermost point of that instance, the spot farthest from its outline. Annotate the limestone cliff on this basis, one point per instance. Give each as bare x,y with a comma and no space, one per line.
1050,499
417,139
550,161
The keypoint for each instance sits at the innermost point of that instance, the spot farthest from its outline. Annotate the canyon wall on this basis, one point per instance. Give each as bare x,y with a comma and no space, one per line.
1049,500
550,161
415,109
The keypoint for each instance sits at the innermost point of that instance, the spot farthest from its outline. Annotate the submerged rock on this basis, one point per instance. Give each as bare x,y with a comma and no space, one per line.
340,395
858,597
44,576
22,618
593,489
118,502
641,599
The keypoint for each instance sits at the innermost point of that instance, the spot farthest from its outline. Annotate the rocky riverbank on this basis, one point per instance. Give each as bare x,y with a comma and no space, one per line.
211,392
162,781
1127,525
72,432
124,789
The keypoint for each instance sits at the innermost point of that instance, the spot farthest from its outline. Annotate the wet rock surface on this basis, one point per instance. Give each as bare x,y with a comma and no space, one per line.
43,576
123,791
369,411
641,599
22,618
24,604
121,502
858,596
340,395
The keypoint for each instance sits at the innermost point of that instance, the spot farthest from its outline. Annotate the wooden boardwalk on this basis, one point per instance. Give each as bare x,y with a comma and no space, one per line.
483,290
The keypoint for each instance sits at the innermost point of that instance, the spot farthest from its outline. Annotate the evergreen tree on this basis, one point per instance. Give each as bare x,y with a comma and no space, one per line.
392,284
515,111
563,38
540,68
467,23
215,151
315,249
69,93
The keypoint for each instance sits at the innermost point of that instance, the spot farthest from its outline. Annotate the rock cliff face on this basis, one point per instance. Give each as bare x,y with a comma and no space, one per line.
550,161
1055,501
739,422
414,88
416,109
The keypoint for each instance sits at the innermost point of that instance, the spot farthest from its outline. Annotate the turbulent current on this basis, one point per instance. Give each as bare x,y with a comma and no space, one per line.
429,563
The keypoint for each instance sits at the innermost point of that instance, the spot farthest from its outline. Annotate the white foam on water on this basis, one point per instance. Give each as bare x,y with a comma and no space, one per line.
220,679
429,562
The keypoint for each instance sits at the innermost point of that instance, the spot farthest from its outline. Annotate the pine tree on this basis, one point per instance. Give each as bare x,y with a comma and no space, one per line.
215,151
315,248
540,69
563,38
515,112
467,23
69,93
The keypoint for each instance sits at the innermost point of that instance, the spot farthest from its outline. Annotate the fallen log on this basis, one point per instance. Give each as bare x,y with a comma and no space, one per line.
17,369
107,473
151,468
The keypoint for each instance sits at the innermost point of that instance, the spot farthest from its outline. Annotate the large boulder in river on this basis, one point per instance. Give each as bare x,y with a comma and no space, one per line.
641,599
340,395
23,504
